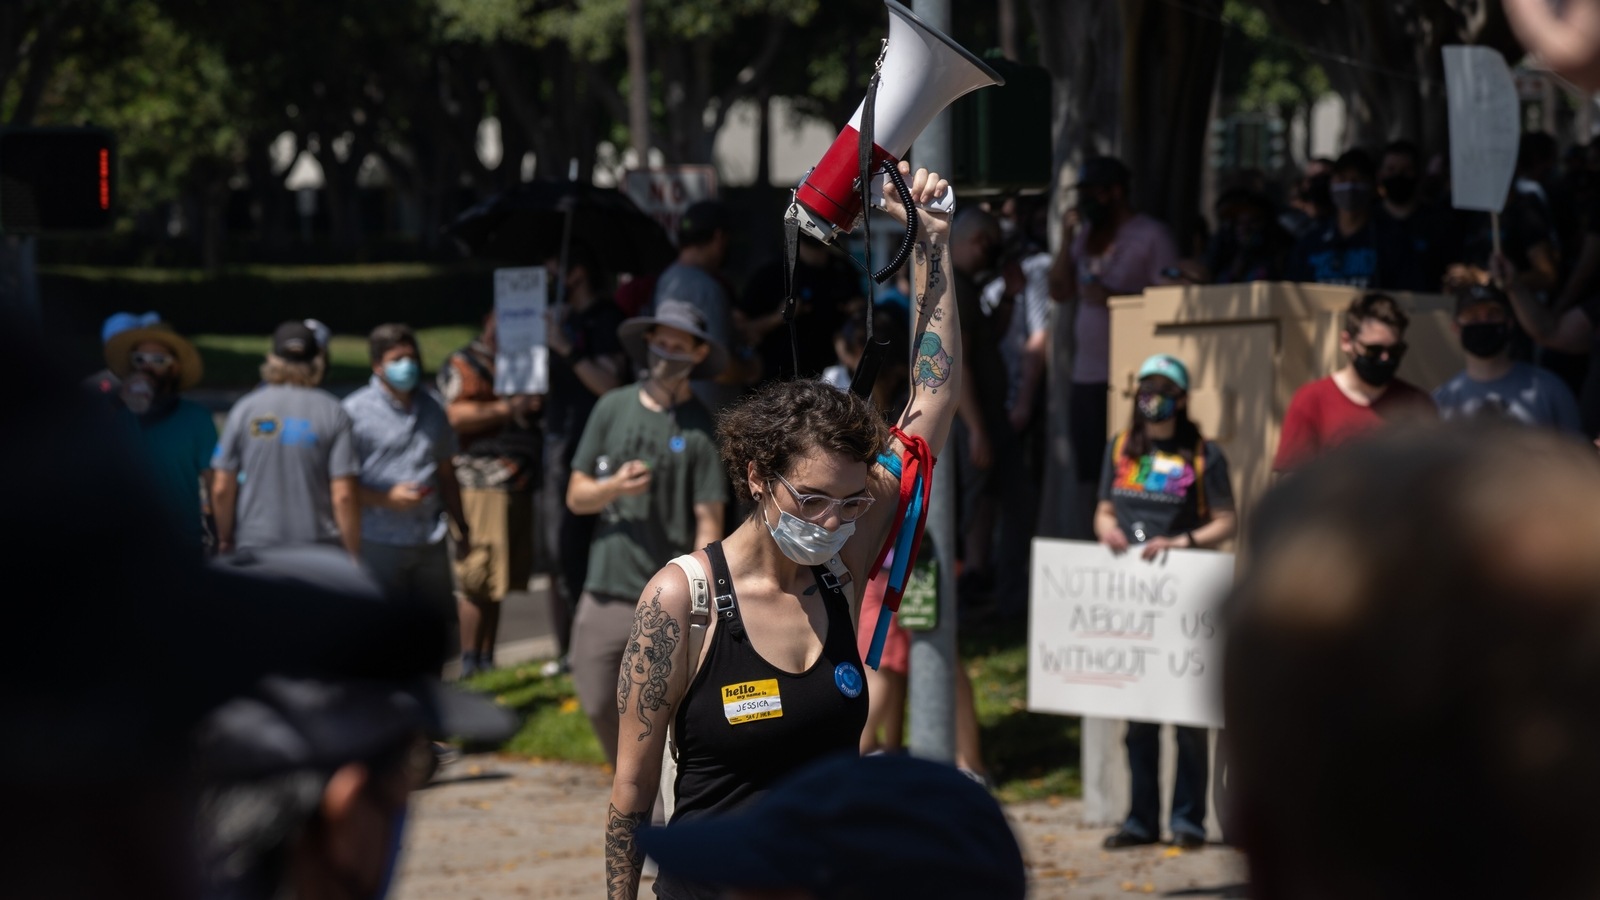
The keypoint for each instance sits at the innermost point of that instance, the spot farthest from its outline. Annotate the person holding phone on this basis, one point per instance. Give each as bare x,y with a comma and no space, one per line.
407,482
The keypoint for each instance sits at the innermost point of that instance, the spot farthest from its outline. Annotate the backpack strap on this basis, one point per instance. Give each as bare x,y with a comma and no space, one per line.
832,579
1200,479
699,617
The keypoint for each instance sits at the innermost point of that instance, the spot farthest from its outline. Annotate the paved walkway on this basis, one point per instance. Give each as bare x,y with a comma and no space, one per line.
496,829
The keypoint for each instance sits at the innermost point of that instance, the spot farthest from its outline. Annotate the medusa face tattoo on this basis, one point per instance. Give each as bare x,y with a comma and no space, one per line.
647,663
933,364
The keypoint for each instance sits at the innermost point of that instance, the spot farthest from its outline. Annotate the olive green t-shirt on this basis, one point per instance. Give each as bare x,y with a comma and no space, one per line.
637,535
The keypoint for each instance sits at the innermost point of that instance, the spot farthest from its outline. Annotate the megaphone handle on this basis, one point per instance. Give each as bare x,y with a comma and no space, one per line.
892,170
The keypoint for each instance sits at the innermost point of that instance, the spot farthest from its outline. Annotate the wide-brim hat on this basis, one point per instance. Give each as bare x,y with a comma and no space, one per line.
119,348
683,316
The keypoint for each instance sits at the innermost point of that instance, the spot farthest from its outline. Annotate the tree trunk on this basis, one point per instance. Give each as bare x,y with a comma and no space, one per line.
1169,73
638,84
1080,44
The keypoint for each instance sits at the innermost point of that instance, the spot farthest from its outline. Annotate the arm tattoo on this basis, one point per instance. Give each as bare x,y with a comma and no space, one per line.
623,859
648,662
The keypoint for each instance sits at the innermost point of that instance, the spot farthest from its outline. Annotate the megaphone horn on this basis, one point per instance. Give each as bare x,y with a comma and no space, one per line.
923,71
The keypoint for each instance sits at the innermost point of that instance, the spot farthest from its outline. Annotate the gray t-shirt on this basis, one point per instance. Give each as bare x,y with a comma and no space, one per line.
694,285
1527,394
287,444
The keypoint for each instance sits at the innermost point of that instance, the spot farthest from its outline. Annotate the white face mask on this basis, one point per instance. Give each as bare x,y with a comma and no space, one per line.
807,543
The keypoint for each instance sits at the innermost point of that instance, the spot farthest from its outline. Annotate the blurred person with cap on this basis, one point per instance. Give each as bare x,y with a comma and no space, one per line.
1163,486
1114,251
176,437
1361,396
408,481
498,469
647,464
286,466
305,779
696,279
1493,384
853,828
1410,678
99,757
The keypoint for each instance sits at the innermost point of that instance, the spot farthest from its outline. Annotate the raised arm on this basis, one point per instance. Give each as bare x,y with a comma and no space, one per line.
936,337
651,684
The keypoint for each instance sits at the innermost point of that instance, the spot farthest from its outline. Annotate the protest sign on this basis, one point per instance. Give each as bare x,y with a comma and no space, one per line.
665,193
1114,636
521,362
1485,127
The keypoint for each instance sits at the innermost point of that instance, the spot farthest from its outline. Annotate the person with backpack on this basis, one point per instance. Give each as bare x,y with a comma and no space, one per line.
1164,486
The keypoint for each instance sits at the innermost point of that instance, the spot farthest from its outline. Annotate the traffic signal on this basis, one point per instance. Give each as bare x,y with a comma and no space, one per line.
55,180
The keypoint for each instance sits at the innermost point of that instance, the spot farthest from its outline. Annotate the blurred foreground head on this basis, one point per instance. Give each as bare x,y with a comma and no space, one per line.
1413,672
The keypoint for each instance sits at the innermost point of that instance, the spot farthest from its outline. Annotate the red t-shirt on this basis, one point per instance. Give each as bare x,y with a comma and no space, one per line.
1320,417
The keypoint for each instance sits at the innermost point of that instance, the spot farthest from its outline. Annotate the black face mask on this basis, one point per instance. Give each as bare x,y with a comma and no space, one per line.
1485,339
1377,373
1095,211
1400,188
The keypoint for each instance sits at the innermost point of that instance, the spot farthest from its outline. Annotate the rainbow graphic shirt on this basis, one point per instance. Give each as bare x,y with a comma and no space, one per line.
1159,476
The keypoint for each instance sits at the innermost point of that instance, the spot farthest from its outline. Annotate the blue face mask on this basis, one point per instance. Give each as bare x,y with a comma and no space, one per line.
402,374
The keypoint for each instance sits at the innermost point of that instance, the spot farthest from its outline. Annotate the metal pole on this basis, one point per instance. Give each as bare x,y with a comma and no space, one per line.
933,653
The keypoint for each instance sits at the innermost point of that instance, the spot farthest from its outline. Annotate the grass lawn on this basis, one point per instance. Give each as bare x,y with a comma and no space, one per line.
1029,755
234,360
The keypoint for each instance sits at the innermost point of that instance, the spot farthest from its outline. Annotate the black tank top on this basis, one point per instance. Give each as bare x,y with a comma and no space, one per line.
744,723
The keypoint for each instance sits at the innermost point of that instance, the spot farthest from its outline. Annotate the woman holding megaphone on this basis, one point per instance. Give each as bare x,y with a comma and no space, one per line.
746,650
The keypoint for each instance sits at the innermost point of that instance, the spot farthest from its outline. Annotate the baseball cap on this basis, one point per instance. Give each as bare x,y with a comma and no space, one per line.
1168,367
118,322
890,826
322,332
1472,295
295,342
702,220
1103,171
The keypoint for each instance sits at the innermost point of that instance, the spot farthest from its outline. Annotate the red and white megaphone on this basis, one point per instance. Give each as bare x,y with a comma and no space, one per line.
922,71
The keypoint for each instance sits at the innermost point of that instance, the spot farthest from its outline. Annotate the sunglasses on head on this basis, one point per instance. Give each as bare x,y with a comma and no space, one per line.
1380,352
151,360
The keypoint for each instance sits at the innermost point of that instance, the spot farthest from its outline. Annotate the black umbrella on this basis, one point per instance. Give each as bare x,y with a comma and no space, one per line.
525,225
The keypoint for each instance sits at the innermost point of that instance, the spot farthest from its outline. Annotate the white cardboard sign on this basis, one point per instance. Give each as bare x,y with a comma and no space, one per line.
521,363
1117,637
1485,126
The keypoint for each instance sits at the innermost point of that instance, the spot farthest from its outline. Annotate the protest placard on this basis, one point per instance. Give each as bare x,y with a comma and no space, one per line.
1117,637
665,193
521,363
1485,126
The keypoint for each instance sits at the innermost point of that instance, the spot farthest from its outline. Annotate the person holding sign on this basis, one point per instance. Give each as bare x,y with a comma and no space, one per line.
776,682
1164,486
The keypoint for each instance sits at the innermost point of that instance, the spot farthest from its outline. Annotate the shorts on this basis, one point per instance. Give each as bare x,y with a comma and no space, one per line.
501,537
897,645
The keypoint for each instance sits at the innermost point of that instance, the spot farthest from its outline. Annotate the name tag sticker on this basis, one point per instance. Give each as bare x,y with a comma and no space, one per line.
751,701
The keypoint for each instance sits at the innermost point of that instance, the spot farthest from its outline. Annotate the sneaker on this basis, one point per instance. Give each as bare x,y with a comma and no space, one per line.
1125,838
469,666
555,667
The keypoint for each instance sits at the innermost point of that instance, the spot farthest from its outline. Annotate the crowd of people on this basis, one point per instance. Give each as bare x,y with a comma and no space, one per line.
717,507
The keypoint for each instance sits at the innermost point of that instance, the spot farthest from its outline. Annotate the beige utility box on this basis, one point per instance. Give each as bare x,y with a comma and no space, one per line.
1249,347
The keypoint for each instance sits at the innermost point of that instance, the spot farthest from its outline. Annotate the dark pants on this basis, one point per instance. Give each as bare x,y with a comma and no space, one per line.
566,540
1086,428
1188,791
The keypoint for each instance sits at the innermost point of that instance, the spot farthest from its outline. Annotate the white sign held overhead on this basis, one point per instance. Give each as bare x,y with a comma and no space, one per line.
521,362
665,193
1117,637
1485,126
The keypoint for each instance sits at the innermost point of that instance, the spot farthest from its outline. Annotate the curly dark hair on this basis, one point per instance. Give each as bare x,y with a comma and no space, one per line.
785,420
